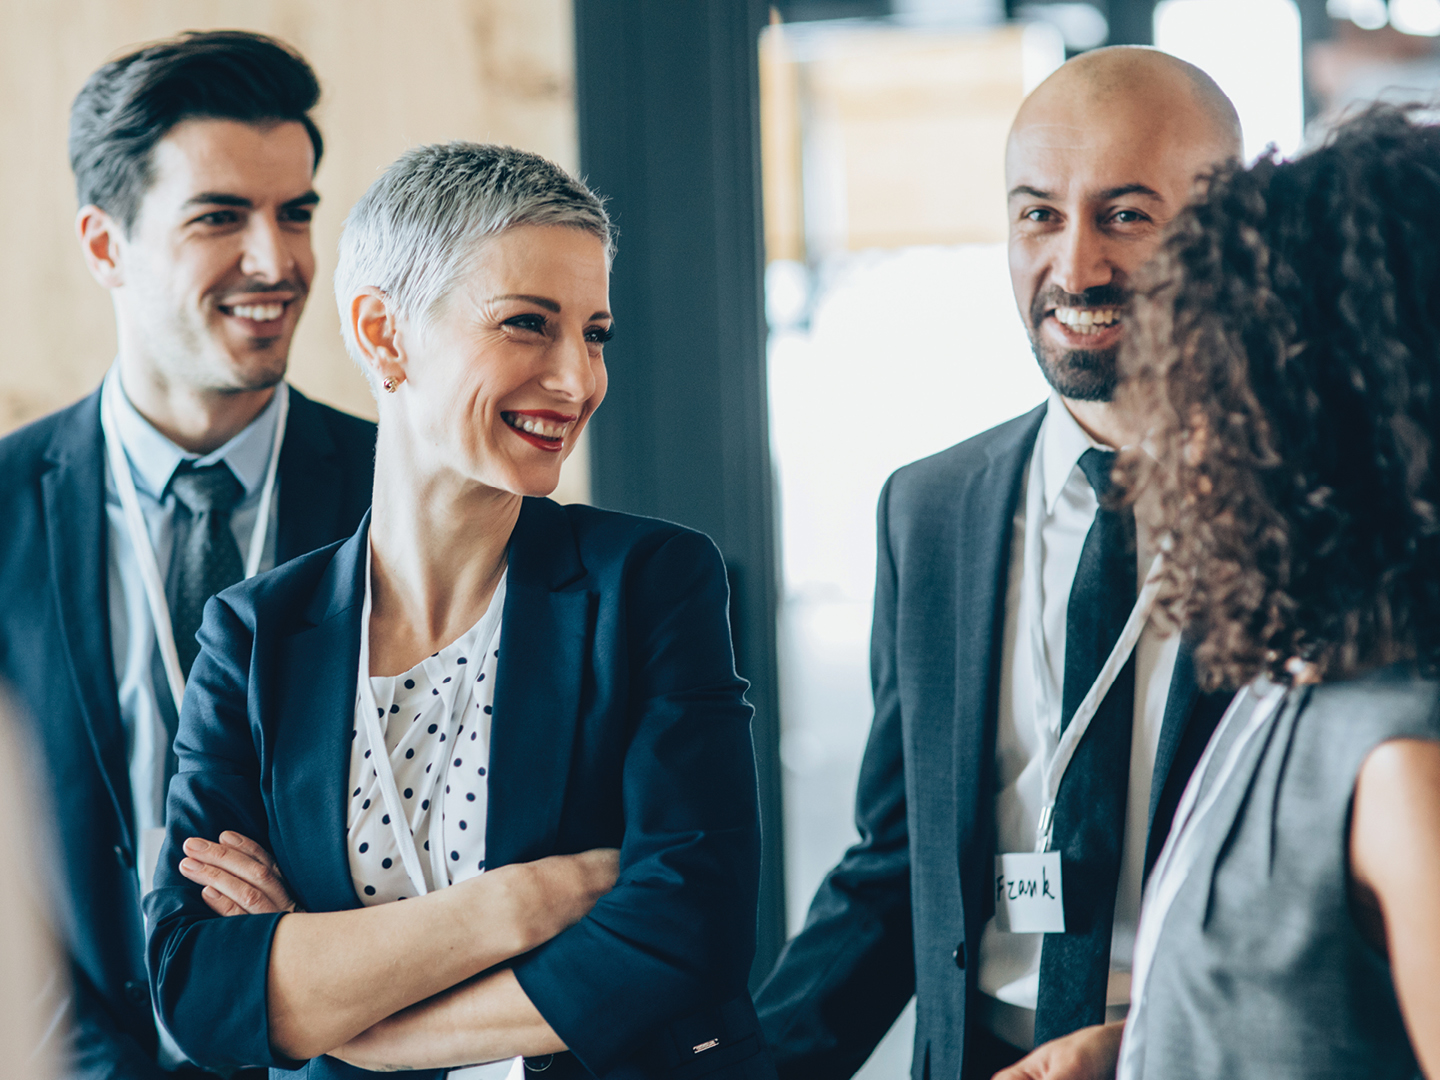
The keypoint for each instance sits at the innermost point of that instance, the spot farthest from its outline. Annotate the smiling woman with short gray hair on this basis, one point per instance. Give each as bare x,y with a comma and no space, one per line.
520,718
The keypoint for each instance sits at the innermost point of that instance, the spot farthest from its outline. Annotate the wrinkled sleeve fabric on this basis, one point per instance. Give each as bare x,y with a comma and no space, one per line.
844,978
677,932
208,973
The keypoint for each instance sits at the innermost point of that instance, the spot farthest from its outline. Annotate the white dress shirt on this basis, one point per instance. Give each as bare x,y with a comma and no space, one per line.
144,700
1010,963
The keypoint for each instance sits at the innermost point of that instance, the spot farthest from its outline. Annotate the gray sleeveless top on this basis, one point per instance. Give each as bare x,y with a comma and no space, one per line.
1259,970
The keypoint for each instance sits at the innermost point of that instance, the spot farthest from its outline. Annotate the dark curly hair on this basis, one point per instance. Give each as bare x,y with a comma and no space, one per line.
1285,354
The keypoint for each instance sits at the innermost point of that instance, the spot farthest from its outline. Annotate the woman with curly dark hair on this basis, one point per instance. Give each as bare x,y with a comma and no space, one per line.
1287,365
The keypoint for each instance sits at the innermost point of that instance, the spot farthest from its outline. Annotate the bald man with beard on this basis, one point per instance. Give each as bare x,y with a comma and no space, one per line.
1002,589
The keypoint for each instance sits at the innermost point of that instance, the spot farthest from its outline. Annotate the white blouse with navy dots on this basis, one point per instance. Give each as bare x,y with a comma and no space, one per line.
436,722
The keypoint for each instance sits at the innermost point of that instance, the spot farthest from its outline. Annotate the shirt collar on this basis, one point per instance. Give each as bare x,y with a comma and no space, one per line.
1063,440
154,458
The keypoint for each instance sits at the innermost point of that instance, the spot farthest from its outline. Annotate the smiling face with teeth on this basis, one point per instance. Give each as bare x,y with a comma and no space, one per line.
210,280
1101,157
496,385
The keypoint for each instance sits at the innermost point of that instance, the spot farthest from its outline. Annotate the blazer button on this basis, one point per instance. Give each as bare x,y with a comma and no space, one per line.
138,993
123,857
960,956
539,1064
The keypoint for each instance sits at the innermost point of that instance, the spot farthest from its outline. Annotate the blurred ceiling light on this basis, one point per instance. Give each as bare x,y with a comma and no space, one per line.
1366,14
1081,25
952,12
1420,17
1042,50
1252,49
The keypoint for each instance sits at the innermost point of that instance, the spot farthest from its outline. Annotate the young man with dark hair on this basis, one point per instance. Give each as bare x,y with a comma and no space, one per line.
192,466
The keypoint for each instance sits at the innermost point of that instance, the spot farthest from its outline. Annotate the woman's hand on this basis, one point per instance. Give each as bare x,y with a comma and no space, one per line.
238,875
1092,1053
549,895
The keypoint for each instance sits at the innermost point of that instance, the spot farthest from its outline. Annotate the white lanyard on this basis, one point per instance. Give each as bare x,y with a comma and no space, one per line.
1182,851
1058,748
140,535
401,828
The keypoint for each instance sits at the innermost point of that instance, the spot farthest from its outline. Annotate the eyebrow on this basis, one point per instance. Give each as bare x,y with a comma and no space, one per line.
540,301
1104,196
1131,189
221,198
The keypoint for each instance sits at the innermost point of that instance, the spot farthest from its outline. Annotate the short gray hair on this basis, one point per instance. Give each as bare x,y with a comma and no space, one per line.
416,231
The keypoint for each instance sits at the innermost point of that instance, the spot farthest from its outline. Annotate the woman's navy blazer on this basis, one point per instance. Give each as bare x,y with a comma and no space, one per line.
619,721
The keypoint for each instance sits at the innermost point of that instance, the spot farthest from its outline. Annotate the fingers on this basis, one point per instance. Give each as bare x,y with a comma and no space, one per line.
239,870
249,848
219,903
220,883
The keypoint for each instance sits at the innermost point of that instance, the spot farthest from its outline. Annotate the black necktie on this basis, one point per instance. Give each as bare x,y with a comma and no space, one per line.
205,558
1090,809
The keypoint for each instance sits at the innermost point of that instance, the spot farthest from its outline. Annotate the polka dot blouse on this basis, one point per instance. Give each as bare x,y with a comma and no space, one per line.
436,722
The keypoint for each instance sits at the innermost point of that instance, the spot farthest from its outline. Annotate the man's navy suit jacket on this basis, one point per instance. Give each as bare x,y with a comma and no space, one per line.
56,655
903,911
619,721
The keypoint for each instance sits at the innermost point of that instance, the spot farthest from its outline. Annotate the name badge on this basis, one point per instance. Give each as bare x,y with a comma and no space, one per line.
1028,897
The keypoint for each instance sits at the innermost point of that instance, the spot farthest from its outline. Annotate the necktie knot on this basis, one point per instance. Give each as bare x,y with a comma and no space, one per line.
211,489
1097,465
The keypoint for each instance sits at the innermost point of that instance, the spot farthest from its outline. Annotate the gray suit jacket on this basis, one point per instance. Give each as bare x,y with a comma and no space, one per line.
903,911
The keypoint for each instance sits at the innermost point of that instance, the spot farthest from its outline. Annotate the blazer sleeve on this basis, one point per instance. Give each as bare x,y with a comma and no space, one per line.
190,949
677,933
843,979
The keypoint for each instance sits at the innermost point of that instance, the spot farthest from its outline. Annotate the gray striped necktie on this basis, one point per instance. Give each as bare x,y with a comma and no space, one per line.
205,558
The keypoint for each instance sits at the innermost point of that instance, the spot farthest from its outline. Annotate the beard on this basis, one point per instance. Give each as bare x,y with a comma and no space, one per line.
1077,374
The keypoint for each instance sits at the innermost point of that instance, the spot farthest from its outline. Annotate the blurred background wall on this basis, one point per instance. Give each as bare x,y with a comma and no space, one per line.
393,75
34,987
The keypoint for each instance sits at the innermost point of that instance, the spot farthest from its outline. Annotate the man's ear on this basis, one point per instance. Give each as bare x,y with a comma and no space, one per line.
378,335
100,238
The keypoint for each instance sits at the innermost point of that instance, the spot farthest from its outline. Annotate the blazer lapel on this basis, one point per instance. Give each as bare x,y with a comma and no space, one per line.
315,694
1190,719
1178,705
984,513
310,483
73,491
544,652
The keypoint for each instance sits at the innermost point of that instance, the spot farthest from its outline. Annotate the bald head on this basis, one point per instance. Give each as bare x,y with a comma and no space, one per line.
1101,157
1129,77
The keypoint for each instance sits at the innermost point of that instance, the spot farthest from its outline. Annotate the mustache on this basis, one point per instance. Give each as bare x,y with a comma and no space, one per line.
1099,296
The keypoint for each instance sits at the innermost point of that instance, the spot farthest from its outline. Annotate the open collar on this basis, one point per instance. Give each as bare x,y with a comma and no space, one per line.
544,658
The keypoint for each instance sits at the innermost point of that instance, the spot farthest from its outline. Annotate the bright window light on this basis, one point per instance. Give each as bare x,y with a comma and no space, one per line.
1416,17
1252,49
1366,14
